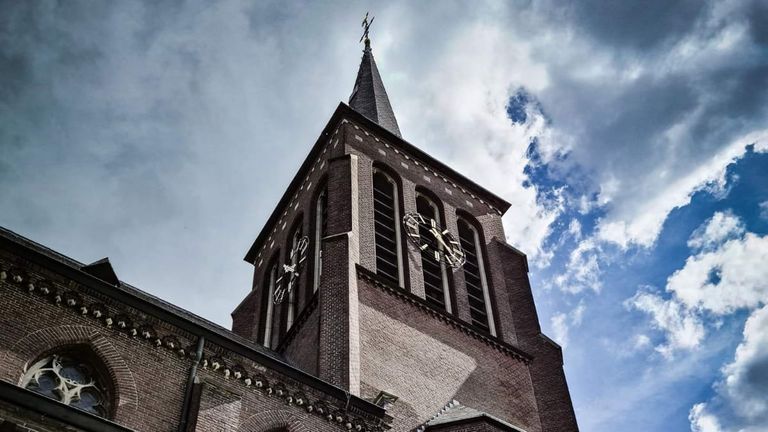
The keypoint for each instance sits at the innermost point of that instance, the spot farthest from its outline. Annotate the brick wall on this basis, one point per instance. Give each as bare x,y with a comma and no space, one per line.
334,300
146,374
548,377
303,350
427,363
451,197
148,381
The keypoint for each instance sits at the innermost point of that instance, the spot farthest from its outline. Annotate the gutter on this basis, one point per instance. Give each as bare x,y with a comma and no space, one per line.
190,384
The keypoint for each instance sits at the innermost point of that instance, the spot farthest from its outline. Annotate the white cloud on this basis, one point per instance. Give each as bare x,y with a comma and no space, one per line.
563,322
731,277
728,273
642,393
574,229
702,421
641,342
741,399
462,99
637,219
577,315
582,270
683,329
764,210
560,328
746,378
716,230
662,164
585,205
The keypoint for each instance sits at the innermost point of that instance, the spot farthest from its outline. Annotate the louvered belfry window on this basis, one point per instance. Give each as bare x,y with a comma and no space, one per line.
386,228
435,275
474,277
321,231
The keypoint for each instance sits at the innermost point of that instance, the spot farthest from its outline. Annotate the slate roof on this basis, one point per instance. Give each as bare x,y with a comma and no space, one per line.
369,97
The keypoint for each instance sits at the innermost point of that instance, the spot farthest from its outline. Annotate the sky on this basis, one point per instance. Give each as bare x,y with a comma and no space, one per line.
631,139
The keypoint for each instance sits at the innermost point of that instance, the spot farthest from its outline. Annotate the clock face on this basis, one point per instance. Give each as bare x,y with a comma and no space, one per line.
291,271
437,243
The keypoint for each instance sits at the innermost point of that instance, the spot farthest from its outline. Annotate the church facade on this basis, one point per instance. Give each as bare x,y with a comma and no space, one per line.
384,297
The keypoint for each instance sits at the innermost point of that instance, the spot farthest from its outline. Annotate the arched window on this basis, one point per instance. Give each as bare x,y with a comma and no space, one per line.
293,284
435,274
321,230
268,306
386,217
475,279
71,378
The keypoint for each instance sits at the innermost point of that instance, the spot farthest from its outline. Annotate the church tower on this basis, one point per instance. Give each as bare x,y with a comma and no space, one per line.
386,273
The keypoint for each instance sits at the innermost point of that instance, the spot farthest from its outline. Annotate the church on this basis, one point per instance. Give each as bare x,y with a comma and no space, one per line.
384,298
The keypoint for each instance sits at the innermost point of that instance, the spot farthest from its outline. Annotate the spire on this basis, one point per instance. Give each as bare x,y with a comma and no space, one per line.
369,97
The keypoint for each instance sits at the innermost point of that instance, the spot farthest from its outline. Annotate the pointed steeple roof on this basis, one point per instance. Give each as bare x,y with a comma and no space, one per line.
369,97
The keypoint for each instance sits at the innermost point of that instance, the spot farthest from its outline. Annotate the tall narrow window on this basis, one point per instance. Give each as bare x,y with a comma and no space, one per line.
435,274
386,216
474,276
321,230
293,284
269,306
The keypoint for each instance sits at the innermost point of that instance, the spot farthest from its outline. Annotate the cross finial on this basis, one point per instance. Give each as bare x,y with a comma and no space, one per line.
366,25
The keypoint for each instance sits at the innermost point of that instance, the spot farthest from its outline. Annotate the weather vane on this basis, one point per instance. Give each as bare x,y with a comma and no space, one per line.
366,27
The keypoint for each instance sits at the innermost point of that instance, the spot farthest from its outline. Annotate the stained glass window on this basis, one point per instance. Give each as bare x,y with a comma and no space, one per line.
69,380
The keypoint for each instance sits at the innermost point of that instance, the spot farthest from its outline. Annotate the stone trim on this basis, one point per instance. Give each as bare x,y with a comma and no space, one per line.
423,306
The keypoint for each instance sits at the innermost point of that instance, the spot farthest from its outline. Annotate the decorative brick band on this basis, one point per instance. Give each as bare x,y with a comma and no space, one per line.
423,306
427,169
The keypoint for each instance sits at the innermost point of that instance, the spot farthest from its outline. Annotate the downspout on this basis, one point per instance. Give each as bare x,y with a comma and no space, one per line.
190,384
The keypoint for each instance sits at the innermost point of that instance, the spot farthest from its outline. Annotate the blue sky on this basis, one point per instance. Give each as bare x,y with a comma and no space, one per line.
630,137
